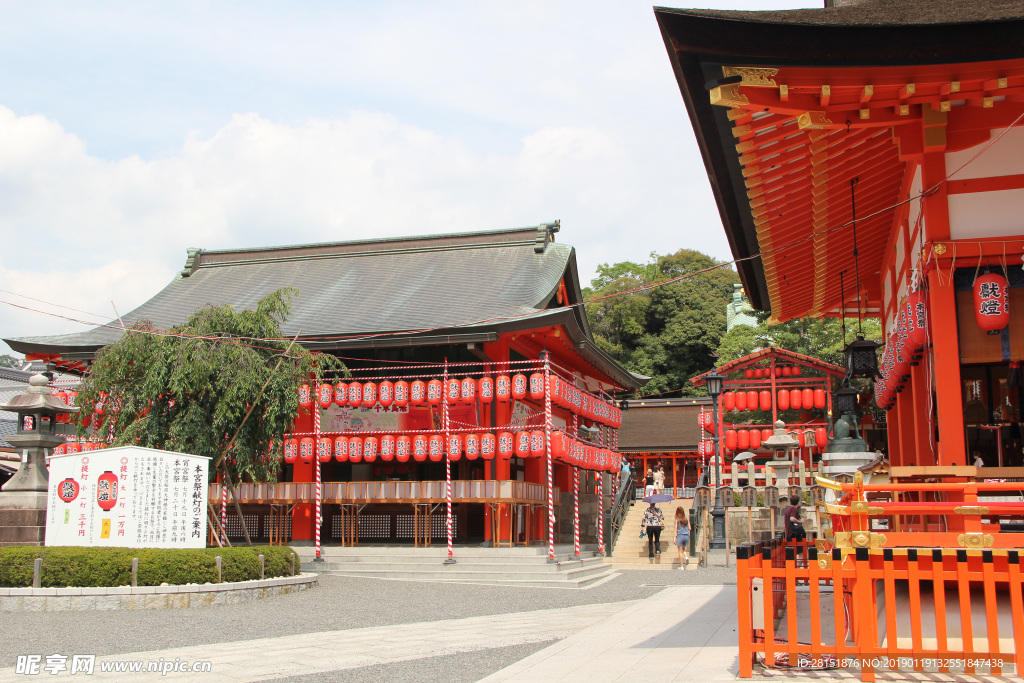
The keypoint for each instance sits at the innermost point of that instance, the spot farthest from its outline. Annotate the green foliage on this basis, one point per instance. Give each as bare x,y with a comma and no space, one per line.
8,361
189,391
89,567
669,332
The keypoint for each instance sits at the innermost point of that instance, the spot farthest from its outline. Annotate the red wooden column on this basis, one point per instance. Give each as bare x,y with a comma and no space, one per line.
942,309
302,515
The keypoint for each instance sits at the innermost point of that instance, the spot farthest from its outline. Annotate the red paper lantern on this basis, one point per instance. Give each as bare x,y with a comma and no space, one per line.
291,449
434,391
819,398
306,448
387,448
807,395
740,400
68,490
355,449
743,439
468,390
106,491
420,446
485,389
325,396
537,443
59,450
435,448
472,446
74,447
323,448
758,373
386,393
454,447
729,401
417,392
519,386
506,444
783,399
403,448
537,386
401,393
797,370
991,302
765,399
341,393
523,444
100,409
341,449
453,390
355,394
369,399
787,371
752,400
557,445
305,396
821,438
730,439
796,400
917,316
766,434
503,388
755,439
487,446
749,373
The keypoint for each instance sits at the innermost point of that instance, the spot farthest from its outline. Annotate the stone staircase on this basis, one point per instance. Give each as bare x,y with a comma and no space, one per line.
527,566
630,551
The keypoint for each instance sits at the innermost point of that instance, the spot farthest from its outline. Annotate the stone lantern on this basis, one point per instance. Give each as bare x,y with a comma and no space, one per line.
23,498
781,443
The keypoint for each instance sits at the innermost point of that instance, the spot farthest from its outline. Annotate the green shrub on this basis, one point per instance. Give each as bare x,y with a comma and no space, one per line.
88,567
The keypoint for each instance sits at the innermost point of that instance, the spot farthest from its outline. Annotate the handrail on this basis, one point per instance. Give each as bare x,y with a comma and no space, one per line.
617,514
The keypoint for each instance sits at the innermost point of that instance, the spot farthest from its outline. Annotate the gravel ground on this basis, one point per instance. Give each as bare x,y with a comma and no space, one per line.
467,666
338,603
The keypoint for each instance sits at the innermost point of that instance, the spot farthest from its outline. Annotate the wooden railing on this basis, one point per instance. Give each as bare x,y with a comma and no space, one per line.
416,492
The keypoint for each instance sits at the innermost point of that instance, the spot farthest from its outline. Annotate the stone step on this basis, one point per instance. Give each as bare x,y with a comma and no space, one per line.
383,565
453,573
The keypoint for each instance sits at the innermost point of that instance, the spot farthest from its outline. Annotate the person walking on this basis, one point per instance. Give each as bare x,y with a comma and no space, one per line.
659,480
649,483
653,522
793,525
682,536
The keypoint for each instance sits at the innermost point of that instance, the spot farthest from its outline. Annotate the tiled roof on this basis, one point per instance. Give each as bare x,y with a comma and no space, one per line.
661,425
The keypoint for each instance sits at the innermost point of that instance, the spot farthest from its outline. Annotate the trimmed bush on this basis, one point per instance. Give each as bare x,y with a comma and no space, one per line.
90,567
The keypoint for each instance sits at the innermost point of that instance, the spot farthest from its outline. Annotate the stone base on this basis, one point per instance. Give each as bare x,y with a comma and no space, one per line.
844,463
22,518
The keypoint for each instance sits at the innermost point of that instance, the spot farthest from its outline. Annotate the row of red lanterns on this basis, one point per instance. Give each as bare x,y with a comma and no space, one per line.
904,348
566,395
780,371
786,399
75,447
436,447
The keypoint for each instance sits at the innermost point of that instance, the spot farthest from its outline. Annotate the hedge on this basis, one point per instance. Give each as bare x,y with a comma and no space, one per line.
91,567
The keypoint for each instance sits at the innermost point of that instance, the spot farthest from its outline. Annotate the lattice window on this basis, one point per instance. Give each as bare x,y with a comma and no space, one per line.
439,527
374,526
404,526
268,524
234,527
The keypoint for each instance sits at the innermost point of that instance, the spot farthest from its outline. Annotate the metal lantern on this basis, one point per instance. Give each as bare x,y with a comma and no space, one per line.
846,401
713,382
861,359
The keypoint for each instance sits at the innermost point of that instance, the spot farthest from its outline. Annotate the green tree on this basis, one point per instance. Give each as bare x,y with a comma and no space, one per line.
668,332
191,390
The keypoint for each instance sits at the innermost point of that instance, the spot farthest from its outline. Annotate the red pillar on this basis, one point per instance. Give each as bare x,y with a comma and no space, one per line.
302,515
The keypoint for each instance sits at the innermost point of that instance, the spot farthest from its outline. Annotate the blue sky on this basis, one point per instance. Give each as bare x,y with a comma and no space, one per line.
130,131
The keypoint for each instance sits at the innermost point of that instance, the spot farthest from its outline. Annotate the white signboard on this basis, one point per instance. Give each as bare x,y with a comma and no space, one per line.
128,497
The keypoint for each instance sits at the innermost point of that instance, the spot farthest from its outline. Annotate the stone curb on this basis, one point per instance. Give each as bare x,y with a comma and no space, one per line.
150,597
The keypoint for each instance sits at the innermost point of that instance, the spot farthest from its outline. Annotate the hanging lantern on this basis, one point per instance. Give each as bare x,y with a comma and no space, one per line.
537,386
454,447
341,449
819,399
846,401
537,443
401,393
74,447
306,447
487,446
748,373
506,445
991,302
435,448
797,370
729,401
59,450
917,316
752,400
485,389
355,394
403,448
757,373
106,491
100,404
782,399
325,395
305,396
386,393
821,438
503,388
796,399
523,443
387,448
755,439
519,386
417,392
355,449
472,446
323,448
861,358
766,434
434,391
341,393
740,400
468,390
786,371
557,445
453,390
765,399
420,446
369,399
291,449
807,396
742,439
730,439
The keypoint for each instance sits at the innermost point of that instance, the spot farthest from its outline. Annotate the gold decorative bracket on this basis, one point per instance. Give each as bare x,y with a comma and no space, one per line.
975,540
753,76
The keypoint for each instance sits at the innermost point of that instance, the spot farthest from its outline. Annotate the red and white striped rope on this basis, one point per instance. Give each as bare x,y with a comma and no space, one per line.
600,513
224,509
316,456
447,466
547,451
576,510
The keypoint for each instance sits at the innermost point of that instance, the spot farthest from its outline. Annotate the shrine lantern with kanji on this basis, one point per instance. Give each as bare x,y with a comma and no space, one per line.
341,449
305,396
291,449
341,394
386,393
401,393
453,390
485,389
537,386
369,396
106,491
325,395
472,446
403,449
991,302
434,391
306,448
454,447
387,447
468,390
419,448
523,444
557,445
355,449
537,443
355,394
435,448
503,388
323,449
487,446
417,392
506,445
917,319
519,383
